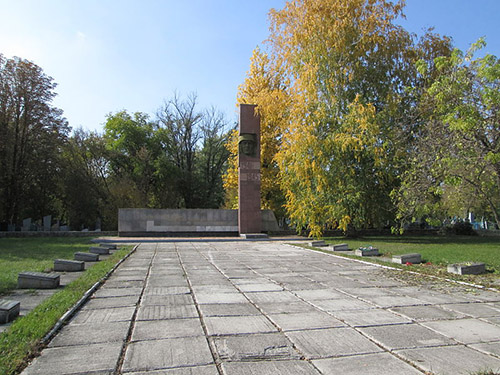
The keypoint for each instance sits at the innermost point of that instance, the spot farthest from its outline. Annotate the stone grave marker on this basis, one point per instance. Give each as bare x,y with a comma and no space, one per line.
37,280
340,247
26,225
368,251
87,257
66,265
467,268
318,243
414,258
9,310
99,250
47,223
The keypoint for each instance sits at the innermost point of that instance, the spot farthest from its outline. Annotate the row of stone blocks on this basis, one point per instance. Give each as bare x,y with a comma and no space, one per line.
9,310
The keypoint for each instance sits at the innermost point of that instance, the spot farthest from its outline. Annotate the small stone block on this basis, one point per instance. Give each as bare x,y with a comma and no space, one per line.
414,258
99,250
37,280
110,246
340,247
317,243
87,257
66,265
367,252
9,310
467,269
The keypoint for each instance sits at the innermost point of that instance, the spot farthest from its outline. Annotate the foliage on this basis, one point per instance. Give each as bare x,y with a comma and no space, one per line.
331,90
455,165
32,134
264,86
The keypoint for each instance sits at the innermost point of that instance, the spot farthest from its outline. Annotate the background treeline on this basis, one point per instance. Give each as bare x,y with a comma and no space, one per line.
364,125
175,160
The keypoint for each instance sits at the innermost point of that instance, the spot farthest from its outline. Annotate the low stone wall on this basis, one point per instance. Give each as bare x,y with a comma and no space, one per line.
18,234
158,222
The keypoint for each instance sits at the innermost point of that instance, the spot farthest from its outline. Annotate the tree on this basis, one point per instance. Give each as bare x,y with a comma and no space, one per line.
333,84
85,182
33,133
458,154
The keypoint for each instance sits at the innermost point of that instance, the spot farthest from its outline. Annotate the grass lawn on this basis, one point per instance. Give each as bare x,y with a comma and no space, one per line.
22,339
439,251
34,254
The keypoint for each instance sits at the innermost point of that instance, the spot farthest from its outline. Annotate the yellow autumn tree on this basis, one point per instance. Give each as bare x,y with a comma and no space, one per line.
266,87
332,90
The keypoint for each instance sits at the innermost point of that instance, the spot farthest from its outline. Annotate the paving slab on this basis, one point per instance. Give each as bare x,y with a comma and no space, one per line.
233,325
367,318
222,298
167,300
476,310
466,331
167,353
167,329
256,347
160,312
372,364
260,287
91,333
76,360
111,302
229,309
198,370
488,348
427,313
117,292
346,303
270,368
308,320
118,314
323,343
451,360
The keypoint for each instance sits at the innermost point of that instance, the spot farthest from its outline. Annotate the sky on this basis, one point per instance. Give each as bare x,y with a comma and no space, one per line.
113,55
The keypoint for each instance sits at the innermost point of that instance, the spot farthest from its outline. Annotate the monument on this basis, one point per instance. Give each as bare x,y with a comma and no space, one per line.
249,213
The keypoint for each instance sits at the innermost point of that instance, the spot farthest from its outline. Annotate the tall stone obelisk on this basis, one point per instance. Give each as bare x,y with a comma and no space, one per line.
249,214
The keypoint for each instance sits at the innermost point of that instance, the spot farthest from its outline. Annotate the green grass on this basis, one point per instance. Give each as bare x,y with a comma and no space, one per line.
34,254
22,340
439,252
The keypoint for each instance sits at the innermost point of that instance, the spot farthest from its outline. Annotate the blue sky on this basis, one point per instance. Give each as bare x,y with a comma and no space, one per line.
110,55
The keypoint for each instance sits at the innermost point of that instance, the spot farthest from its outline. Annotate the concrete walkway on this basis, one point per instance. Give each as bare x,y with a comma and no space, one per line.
268,308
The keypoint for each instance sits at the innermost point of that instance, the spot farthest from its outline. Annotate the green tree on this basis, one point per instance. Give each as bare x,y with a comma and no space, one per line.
456,164
85,184
32,134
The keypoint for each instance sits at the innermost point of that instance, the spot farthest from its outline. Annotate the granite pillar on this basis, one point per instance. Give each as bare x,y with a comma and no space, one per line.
249,213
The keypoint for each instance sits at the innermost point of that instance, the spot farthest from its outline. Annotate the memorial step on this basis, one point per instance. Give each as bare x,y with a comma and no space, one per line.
37,280
99,250
66,265
87,257
9,310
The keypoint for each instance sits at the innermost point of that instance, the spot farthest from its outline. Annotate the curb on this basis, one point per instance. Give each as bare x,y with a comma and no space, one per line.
68,314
